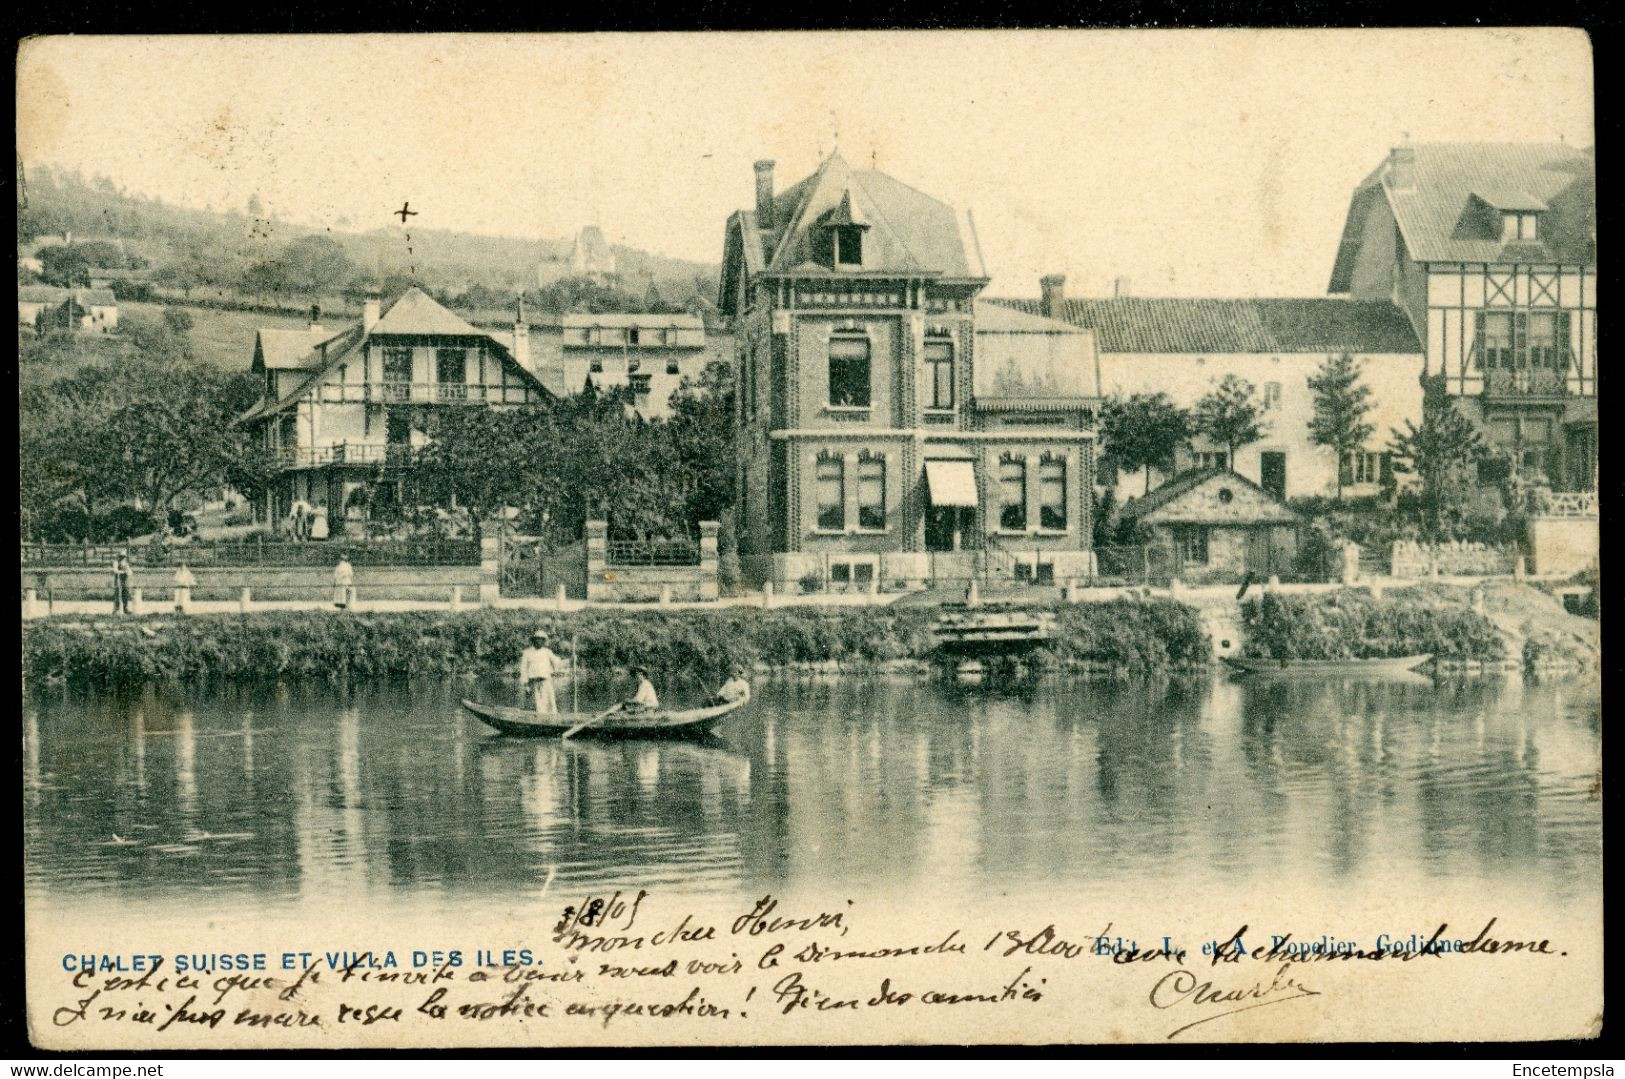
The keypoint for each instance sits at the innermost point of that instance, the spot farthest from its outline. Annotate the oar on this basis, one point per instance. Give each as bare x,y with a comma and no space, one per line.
589,722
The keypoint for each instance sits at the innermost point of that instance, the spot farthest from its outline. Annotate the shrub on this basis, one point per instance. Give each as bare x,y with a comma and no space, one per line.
1125,635
812,581
1350,624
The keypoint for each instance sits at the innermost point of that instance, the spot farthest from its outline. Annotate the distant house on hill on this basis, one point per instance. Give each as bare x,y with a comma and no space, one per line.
592,256
589,256
342,413
47,309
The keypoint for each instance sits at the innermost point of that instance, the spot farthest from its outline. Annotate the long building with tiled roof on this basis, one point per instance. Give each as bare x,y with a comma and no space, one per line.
1184,347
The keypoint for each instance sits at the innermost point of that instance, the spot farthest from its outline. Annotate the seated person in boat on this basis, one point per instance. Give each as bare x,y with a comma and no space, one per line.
644,699
734,689
537,666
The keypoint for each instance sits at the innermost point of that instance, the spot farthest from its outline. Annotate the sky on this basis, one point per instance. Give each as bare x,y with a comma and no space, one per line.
1213,163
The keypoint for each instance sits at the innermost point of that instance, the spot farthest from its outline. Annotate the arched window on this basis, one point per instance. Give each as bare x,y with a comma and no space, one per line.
939,362
871,491
830,483
1012,494
1052,493
849,371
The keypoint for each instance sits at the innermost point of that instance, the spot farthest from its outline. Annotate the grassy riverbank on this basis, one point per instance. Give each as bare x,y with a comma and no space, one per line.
1351,624
1121,636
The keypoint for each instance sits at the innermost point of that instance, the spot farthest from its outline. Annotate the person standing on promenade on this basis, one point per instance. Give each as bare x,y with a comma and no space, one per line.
343,583
121,584
183,589
537,666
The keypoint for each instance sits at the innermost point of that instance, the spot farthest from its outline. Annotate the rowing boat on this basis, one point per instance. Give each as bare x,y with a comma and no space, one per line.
1380,665
657,723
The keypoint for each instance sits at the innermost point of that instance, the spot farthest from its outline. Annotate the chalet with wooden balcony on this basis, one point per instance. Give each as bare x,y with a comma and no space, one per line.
343,414
892,428
1490,250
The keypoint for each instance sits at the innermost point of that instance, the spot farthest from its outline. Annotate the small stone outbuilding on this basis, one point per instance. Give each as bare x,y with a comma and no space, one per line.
1219,526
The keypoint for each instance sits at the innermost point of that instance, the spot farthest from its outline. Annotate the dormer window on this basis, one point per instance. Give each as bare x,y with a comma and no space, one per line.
849,246
1518,226
846,225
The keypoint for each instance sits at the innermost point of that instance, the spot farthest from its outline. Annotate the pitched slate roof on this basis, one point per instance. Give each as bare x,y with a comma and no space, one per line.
1216,327
905,231
287,350
1261,507
1439,213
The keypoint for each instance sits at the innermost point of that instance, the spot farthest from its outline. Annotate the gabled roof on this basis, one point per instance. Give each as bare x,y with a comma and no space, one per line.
287,350
419,316
1175,502
416,314
1136,324
1435,211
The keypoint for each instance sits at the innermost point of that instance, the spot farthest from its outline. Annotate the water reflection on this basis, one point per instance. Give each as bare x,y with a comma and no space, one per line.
316,791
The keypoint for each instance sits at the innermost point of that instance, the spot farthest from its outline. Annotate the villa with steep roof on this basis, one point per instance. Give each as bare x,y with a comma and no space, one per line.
892,428
343,412
1490,249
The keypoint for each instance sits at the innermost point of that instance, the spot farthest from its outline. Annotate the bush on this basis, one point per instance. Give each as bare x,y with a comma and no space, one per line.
812,581
1125,635
1350,624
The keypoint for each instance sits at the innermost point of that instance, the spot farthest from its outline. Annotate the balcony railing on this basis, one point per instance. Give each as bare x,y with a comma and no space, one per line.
347,453
445,393
1526,382
1564,503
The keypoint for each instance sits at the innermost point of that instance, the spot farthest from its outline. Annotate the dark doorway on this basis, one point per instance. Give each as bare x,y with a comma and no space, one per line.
947,526
1272,473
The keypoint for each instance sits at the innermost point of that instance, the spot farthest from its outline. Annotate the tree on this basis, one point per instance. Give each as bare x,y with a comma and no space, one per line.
1439,452
1230,415
1341,403
1144,431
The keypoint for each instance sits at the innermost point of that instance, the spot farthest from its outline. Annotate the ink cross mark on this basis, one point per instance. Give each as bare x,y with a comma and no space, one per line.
405,212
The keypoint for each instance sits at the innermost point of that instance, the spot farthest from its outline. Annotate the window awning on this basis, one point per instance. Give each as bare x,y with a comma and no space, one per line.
951,483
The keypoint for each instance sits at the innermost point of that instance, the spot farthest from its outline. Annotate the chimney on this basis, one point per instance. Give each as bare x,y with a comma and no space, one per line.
315,318
521,335
1401,168
369,312
1054,290
1120,288
764,194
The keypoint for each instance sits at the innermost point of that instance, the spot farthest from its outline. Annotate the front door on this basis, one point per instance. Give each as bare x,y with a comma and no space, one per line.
946,526
1272,473
1260,555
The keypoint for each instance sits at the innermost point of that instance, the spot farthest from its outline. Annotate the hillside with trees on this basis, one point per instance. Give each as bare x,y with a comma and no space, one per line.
247,256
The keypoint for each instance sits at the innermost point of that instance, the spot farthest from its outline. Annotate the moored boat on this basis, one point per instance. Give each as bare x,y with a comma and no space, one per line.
1378,665
658,723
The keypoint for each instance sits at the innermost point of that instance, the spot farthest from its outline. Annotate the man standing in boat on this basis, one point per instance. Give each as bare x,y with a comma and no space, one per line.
537,666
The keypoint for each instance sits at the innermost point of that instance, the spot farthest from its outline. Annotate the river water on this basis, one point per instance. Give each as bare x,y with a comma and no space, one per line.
311,792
